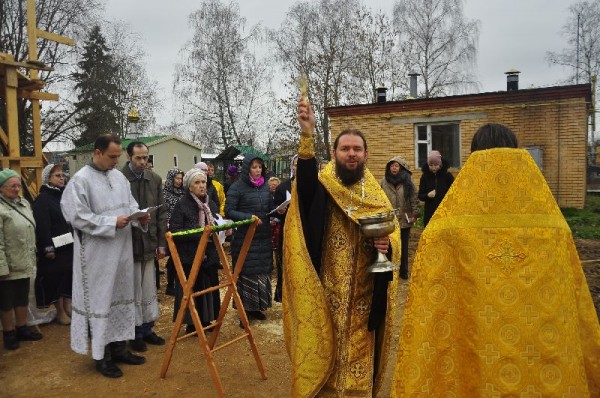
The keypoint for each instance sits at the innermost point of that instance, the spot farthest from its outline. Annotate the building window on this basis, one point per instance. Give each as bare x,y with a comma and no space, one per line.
438,137
151,159
195,159
175,161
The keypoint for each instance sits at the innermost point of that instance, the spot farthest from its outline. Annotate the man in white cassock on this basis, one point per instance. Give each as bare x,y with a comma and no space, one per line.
97,202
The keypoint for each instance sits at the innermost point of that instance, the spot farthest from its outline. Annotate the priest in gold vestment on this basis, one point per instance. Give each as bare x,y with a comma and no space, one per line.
498,304
335,313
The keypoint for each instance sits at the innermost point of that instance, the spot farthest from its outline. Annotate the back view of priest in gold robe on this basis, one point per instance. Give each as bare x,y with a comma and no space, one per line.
498,304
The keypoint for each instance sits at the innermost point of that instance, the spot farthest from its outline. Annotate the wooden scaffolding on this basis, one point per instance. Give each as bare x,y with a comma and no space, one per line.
21,80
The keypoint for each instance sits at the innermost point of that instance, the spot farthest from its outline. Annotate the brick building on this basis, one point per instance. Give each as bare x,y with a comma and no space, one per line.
552,123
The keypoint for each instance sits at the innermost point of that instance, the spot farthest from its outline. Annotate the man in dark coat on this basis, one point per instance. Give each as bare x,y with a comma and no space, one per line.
146,188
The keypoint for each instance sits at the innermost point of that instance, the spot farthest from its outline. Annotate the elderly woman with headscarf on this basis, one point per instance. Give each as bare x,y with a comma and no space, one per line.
196,210
55,264
400,190
435,182
172,192
250,197
211,189
17,260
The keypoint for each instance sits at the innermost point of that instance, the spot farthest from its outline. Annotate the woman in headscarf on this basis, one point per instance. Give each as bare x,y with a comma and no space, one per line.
55,264
400,190
172,192
196,210
435,182
250,197
17,260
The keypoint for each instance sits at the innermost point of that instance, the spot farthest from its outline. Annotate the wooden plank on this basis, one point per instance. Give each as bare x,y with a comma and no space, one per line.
12,123
38,95
54,37
3,137
27,65
26,162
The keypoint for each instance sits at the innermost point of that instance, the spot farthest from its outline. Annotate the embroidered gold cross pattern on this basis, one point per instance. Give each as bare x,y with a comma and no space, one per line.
507,254
357,369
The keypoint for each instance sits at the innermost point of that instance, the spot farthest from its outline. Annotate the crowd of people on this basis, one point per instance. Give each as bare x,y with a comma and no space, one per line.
498,301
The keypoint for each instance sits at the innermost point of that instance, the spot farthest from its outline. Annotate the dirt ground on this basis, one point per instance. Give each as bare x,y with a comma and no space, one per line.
48,368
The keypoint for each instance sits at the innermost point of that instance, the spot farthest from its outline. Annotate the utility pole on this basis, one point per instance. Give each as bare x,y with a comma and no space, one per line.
577,62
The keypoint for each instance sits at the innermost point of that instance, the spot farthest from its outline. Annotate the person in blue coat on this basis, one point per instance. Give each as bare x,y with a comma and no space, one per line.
247,197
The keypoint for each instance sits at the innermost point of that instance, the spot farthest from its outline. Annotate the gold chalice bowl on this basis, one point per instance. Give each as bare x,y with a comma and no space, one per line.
378,226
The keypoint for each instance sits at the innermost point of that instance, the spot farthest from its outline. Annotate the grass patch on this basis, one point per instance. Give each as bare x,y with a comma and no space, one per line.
585,223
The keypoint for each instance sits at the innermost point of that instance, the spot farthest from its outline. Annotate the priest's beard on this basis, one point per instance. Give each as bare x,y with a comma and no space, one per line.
348,176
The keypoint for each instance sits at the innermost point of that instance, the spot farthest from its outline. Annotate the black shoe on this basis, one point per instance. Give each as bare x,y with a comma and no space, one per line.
154,339
138,345
404,275
256,315
170,291
10,340
108,368
128,358
242,325
25,333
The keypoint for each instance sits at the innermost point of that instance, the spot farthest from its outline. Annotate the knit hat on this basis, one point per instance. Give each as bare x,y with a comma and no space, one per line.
201,166
434,157
191,175
46,173
233,170
6,174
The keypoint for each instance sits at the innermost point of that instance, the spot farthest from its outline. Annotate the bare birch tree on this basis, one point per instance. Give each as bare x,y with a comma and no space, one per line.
316,42
442,44
344,51
380,59
582,56
221,84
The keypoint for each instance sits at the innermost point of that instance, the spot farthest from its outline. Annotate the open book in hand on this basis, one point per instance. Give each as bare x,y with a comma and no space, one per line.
284,205
141,213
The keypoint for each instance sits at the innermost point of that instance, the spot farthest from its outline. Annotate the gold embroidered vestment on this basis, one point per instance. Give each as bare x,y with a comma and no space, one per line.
326,316
498,304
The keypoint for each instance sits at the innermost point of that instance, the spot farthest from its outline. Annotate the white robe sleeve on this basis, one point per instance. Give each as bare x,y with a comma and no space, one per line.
77,211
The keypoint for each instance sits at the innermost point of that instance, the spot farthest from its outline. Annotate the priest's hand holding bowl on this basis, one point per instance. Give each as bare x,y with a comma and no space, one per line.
382,244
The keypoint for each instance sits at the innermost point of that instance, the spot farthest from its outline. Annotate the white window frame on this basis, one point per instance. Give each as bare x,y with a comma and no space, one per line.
428,141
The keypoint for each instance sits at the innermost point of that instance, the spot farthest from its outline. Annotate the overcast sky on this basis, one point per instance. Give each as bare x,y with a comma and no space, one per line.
514,34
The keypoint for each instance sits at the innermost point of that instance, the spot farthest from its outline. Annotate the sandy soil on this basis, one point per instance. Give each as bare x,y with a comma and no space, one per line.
48,368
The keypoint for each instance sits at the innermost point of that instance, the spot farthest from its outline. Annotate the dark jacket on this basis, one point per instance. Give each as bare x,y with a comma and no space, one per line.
50,223
243,201
440,181
184,217
148,192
